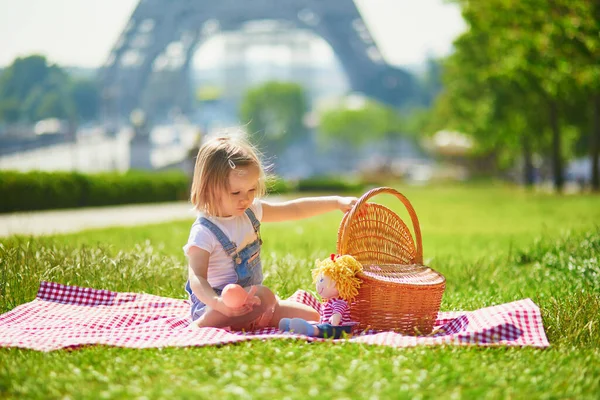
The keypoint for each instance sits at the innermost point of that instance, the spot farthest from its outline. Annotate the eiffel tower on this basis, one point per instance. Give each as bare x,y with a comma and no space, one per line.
164,35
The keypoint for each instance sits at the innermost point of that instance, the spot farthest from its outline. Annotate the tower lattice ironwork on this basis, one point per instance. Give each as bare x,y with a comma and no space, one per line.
163,35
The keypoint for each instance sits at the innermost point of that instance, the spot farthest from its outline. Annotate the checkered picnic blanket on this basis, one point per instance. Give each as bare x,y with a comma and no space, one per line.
70,316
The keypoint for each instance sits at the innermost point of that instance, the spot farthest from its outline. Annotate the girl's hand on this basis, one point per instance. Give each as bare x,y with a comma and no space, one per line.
345,204
251,298
233,312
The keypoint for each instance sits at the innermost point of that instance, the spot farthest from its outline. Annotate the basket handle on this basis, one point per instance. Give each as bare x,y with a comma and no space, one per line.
362,202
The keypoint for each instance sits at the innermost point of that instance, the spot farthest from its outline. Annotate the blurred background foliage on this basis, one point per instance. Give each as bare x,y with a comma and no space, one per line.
520,94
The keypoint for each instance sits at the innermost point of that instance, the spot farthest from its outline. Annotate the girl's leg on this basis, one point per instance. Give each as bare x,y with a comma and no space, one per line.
275,309
293,309
268,314
259,317
213,319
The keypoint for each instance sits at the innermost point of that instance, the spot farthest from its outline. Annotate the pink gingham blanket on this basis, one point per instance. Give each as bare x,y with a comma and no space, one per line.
70,316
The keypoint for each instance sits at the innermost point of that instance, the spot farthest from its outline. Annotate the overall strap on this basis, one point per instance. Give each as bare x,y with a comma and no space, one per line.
227,244
254,220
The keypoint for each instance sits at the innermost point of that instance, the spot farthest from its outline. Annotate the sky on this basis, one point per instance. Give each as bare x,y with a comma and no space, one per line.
82,32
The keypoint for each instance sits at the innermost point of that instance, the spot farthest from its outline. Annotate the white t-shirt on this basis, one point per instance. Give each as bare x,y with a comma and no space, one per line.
238,229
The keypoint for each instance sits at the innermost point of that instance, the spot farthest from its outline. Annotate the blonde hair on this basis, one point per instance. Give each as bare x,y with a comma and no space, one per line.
342,270
216,158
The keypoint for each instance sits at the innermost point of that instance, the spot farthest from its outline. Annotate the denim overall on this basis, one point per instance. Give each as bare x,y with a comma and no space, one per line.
246,261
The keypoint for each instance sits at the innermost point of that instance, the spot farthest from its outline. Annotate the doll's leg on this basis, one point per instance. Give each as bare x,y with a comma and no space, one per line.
302,327
333,331
284,324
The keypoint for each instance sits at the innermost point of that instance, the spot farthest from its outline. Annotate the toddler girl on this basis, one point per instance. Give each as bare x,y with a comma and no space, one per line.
224,243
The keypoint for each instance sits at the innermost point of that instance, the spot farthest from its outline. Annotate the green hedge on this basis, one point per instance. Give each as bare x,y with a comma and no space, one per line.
325,184
51,190
276,185
330,184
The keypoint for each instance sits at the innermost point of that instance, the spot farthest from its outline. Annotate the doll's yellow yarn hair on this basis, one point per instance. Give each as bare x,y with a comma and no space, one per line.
343,270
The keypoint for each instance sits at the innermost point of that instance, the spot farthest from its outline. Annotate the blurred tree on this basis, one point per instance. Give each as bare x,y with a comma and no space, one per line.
578,46
86,99
19,79
33,100
504,118
274,112
31,89
358,124
417,122
431,83
10,110
512,76
54,105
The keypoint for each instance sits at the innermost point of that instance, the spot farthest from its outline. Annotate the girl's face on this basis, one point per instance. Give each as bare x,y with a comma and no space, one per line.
243,183
326,287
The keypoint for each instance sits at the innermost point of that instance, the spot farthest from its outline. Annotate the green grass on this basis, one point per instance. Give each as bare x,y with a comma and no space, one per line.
494,244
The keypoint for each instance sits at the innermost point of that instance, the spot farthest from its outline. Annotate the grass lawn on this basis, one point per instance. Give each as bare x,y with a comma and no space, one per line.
493,243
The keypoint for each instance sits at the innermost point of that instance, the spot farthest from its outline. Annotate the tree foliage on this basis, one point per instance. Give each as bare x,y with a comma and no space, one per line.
430,83
356,125
86,98
518,71
274,113
32,89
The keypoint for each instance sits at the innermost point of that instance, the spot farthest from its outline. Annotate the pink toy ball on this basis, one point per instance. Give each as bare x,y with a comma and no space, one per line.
234,296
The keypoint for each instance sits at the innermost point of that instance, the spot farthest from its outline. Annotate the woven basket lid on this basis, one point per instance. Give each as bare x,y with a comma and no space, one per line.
374,234
413,274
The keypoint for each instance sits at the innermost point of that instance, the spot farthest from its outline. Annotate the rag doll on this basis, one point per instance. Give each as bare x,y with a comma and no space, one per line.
337,283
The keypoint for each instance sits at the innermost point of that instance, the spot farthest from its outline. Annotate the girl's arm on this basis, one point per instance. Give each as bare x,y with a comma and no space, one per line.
305,207
198,270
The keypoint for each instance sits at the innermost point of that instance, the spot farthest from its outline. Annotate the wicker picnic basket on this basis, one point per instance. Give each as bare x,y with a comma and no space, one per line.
398,292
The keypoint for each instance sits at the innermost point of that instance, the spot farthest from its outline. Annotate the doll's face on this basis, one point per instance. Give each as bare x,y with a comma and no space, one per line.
326,287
